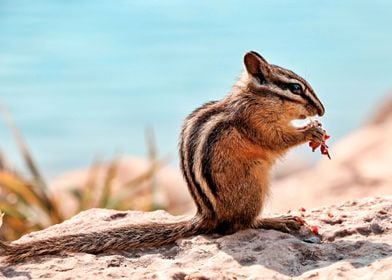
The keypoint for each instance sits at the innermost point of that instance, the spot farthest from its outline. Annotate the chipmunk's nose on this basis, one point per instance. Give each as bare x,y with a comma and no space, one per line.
320,109
316,104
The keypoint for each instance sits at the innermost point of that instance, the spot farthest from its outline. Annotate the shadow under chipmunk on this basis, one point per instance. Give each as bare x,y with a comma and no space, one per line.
10,272
292,257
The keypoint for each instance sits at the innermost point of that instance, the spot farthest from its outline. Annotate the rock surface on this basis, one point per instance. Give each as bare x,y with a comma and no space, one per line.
357,245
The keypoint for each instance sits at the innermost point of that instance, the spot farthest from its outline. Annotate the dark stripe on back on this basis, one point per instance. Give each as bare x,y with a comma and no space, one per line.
188,180
193,140
207,153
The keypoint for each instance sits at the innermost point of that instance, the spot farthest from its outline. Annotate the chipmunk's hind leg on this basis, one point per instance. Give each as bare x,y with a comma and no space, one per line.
288,224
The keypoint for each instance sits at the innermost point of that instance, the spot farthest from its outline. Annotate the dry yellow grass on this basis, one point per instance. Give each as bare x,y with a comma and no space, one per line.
28,204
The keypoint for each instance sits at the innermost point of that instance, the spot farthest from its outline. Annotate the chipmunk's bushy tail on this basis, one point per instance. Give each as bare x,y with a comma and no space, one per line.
123,238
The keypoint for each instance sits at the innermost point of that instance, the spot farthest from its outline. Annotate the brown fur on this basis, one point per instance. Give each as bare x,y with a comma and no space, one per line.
227,149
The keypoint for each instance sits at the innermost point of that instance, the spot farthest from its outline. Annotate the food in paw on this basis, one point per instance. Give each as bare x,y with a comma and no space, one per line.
323,146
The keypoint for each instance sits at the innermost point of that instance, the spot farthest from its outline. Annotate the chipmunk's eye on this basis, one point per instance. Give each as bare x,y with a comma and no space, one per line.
295,88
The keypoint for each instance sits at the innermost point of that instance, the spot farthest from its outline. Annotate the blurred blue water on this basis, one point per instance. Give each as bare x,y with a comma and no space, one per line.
84,78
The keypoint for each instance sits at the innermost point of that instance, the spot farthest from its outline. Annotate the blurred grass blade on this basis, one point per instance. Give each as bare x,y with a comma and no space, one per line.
54,211
1,218
26,193
3,164
39,187
106,194
150,142
21,144
124,198
152,156
146,175
14,227
14,185
12,210
91,186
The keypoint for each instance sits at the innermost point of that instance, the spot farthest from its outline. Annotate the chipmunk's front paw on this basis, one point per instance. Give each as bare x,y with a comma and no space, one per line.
315,133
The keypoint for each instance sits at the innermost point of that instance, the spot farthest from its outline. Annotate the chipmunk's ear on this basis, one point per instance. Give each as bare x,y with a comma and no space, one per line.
256,66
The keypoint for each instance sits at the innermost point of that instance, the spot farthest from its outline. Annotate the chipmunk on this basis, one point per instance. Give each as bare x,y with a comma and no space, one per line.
227,149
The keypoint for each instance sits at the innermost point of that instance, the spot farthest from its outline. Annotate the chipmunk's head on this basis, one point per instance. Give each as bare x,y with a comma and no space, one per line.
296,97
